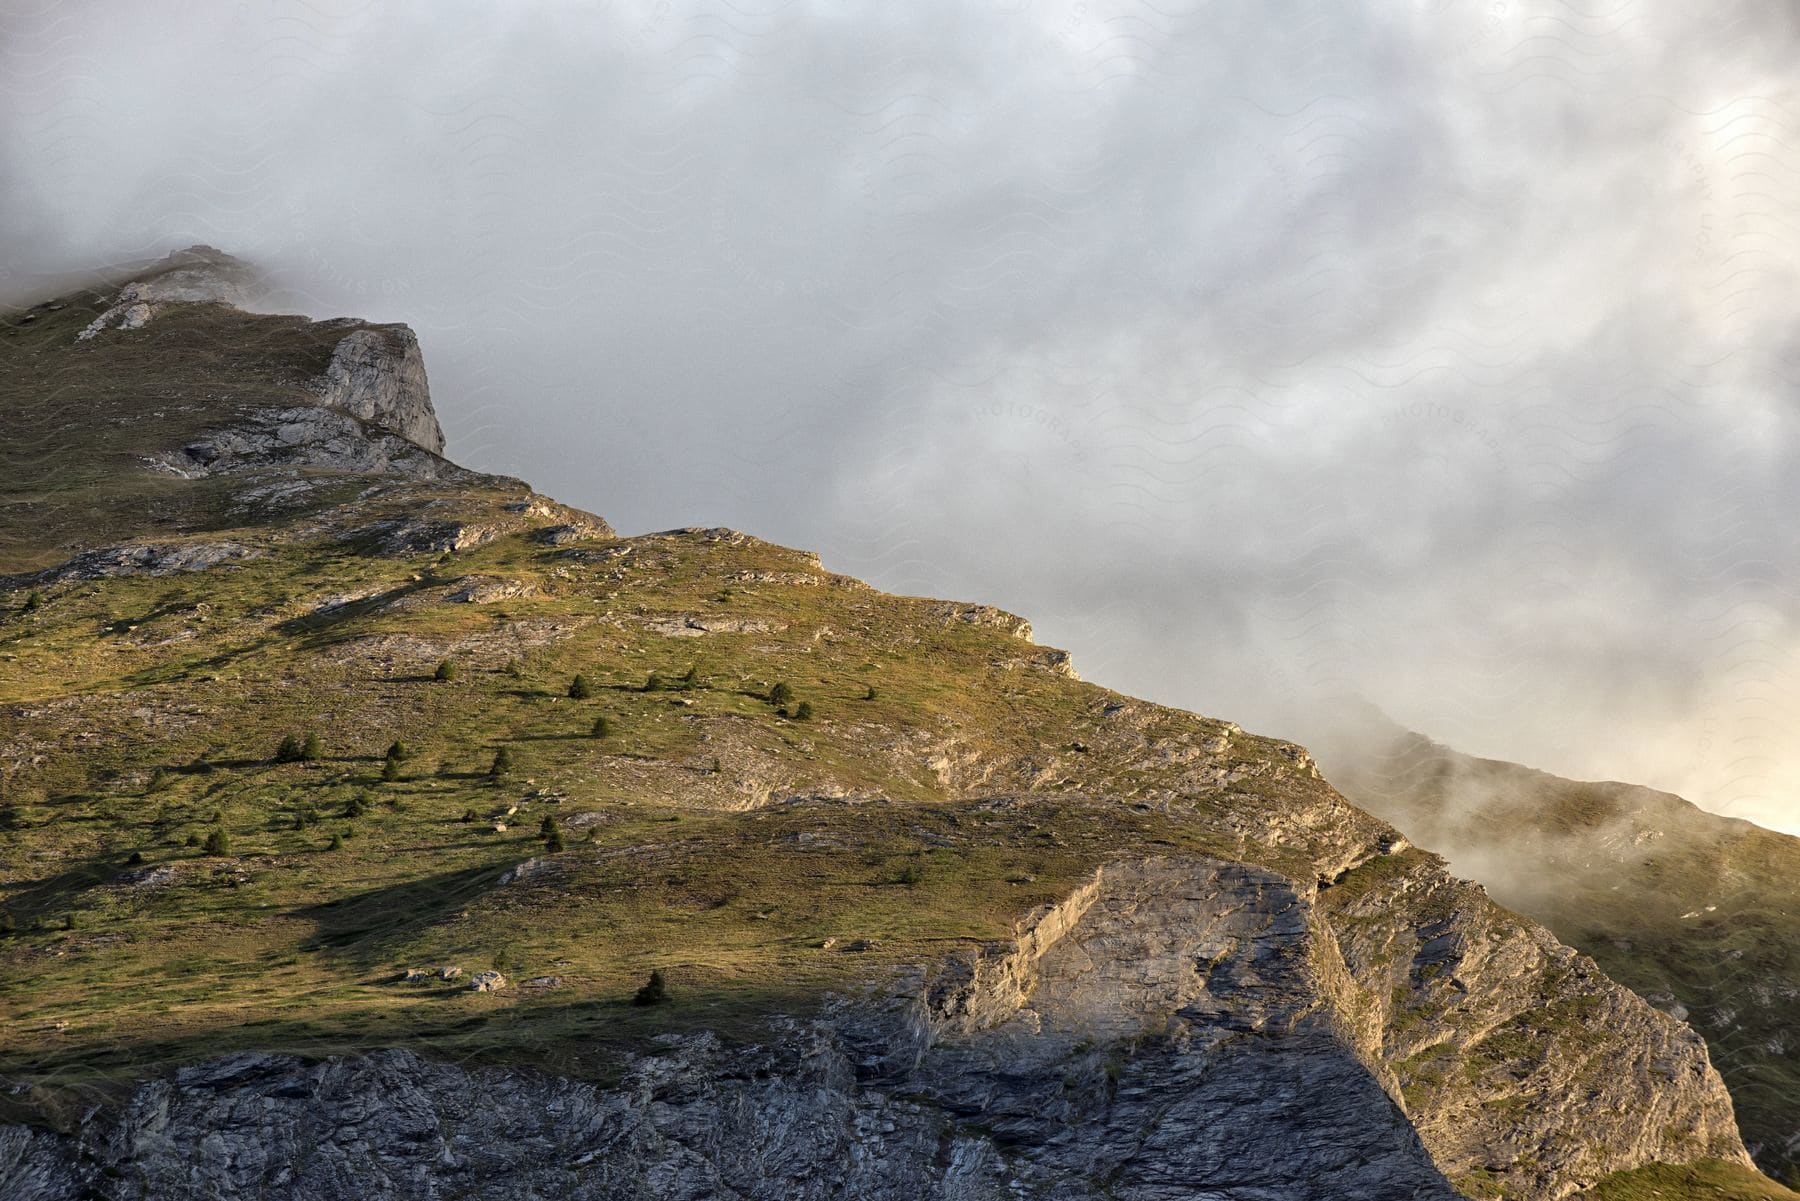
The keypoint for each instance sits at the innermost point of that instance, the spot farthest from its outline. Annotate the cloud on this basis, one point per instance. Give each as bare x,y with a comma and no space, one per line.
1263,354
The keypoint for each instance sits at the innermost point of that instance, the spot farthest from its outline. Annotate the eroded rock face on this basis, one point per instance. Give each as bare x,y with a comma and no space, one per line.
197,275
1176,1028
148,558
303,437
378,374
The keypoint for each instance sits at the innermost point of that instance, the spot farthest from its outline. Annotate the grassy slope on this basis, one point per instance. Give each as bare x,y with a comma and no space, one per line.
1704,1181
201,675
1672,901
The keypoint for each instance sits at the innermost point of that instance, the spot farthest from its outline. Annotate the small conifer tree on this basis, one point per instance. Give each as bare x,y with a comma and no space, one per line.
159,780
502,765
602,727
691,679
871,694
310,750
397,751
34,600
193,840
654,992
579,688
217,843
290,750
390,770
804,712
445,671
337,843
654,682
781,694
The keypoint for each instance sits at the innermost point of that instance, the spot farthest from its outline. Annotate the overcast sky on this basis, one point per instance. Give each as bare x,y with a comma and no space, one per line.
1264,354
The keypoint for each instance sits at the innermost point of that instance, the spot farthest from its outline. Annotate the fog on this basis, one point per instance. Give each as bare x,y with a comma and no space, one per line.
1265,355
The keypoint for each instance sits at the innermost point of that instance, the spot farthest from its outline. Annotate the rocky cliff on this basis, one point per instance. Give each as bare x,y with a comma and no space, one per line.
348,807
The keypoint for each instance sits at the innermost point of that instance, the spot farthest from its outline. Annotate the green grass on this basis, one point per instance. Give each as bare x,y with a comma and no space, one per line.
672,864
1708,1180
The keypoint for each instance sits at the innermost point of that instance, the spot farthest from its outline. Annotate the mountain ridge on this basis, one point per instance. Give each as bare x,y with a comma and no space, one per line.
1015,934
1695,910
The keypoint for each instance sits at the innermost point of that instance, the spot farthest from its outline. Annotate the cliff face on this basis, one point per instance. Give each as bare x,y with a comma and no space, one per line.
377,374
936,918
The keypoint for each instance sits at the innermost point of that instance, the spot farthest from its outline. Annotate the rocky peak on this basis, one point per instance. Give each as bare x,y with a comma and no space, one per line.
197,275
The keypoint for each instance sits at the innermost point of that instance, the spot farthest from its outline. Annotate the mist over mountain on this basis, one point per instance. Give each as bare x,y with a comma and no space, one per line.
1435,352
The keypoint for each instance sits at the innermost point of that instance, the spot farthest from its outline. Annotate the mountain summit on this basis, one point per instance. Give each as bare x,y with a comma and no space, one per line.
371,827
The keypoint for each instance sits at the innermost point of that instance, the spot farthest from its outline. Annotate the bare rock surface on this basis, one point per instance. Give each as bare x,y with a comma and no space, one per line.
377,373
197,275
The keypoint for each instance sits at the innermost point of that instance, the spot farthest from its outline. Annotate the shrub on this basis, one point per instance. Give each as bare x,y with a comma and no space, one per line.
554,842
34,600
804,712
871,694
602,727
469,815
781,694
397,751
356,806
445,671
502,765
910,875
159,780
290,750
653,682
310,750
136,859
547,826
691,679
654,992
217,843
193,840
390,770
579,688
336,843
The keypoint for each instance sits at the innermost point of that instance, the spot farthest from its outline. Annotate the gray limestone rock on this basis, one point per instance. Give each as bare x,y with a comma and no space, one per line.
378,374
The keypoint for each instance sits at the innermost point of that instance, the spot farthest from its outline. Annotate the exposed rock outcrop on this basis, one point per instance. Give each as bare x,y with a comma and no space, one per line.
150,558
197,275
377,373
290,439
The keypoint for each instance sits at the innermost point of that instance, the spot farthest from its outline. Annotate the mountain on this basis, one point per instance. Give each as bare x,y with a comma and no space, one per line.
377,828
1698,912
